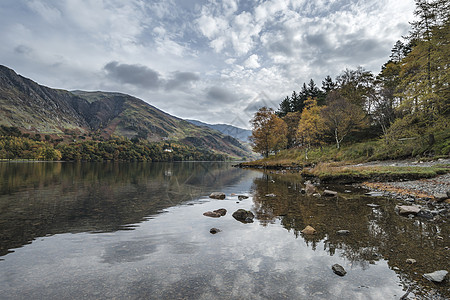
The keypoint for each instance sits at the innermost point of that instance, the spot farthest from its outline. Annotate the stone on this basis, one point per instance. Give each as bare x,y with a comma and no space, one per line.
374,194
338,270
343,232
436,276
425,214
373,205
242,197
271,195
440,197
316,195
310,188
407,209
244,216
329,193
308,230
212,214
214,230
221,211
217,195
411,261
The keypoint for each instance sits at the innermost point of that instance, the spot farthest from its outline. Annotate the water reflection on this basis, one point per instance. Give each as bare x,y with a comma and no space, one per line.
39,199
75,216
376,233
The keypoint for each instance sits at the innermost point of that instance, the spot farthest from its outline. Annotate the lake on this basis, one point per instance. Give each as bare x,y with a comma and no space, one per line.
137,231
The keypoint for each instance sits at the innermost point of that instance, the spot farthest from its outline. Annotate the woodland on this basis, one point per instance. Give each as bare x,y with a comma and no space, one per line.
401,112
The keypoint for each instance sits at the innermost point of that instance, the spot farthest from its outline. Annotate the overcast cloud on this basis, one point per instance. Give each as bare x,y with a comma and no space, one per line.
210,60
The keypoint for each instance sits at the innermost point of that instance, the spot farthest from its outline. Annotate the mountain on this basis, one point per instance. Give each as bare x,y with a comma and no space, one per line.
34,108
236,132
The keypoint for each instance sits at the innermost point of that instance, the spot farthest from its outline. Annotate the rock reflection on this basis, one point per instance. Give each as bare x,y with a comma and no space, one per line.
375,233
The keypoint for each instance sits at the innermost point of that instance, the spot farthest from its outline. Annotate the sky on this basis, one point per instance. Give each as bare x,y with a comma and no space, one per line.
209,60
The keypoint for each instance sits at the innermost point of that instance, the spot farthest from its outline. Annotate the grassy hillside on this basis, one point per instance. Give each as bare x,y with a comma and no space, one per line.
70,116
418,148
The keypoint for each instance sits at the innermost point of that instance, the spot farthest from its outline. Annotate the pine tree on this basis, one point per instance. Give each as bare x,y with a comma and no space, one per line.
285,107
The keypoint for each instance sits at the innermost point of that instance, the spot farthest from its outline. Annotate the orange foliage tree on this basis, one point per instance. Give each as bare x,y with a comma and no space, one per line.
268,132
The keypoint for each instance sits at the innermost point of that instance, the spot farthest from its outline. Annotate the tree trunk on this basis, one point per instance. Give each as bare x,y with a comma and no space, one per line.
337,139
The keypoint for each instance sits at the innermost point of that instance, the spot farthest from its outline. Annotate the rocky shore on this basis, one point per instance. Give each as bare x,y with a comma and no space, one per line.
437,188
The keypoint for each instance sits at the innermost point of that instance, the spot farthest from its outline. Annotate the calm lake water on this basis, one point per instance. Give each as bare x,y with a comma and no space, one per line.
137,231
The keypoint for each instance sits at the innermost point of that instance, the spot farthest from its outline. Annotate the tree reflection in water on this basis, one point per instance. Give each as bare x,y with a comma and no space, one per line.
376,233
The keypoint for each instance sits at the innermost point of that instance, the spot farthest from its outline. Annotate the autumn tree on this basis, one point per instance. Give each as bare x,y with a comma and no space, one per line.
425,75
341,117
292,119
425,71
311,126
356,86
268,132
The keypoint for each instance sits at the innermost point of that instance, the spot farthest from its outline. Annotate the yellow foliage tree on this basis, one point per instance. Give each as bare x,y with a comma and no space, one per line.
341,117
311,125
268,132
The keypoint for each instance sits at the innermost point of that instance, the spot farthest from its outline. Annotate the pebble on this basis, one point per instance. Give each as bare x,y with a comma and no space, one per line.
338,269
437,276
214,230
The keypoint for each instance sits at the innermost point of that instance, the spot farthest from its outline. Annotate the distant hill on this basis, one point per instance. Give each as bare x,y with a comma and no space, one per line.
34,108
236,132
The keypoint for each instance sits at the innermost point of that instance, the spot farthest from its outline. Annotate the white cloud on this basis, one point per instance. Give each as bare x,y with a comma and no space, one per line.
252,62
200,50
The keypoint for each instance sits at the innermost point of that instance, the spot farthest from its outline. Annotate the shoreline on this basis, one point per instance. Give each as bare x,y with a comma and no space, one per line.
400,179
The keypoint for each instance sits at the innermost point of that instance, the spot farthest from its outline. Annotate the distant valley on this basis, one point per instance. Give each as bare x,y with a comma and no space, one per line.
240,134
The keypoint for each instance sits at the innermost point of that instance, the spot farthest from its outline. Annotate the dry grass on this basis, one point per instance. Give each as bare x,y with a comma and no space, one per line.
339,171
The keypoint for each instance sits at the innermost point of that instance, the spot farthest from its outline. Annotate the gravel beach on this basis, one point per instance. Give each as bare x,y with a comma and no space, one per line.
423,188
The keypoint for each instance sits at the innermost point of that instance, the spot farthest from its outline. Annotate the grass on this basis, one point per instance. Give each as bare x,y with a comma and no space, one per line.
418,148
331,164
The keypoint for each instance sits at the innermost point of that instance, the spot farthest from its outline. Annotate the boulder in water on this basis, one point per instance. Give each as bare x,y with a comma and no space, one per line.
244,216
217,195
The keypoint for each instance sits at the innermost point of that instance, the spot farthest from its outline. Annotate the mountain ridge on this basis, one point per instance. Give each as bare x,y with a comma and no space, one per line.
234,131
34,108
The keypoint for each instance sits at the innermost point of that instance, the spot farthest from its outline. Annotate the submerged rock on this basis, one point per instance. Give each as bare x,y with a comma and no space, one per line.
338,269
242,197
437,276
343,232
212,214
308,230
216,213
244,216
310,188
329,193
214,230
221,211
374,194
217,195
407,209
